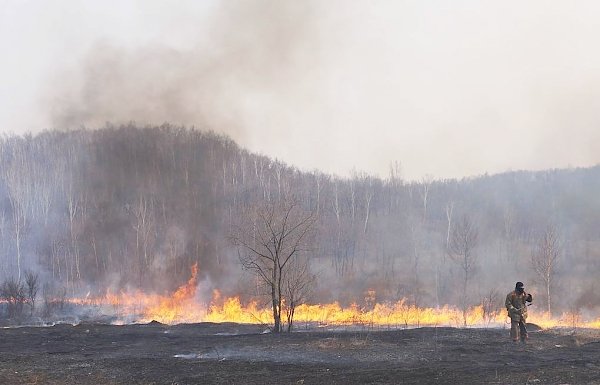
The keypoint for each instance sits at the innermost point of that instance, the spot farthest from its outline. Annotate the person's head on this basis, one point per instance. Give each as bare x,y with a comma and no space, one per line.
520,287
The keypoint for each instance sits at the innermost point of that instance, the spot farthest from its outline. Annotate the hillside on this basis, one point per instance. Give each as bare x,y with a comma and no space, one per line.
92,210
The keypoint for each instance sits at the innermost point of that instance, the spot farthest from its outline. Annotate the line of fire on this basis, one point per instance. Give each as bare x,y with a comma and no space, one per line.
183,306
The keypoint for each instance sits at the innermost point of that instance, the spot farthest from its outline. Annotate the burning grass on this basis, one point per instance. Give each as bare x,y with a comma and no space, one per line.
183,306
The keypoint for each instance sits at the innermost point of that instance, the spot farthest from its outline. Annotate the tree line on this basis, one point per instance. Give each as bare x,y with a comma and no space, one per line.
88,210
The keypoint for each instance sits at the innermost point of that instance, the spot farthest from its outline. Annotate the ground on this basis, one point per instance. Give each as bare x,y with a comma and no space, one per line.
242,354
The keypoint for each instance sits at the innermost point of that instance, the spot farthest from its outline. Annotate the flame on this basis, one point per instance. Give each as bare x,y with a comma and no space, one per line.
180,305
231,310
183,306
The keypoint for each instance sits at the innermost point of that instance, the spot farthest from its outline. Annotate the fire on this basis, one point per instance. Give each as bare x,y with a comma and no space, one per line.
183,306
179,306
232,310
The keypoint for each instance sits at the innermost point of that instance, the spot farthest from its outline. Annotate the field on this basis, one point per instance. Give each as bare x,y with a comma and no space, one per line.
209,353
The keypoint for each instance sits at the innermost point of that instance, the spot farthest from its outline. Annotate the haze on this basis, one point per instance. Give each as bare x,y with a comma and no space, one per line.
448,89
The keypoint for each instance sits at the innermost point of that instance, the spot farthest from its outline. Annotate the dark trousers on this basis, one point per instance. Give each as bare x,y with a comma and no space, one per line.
518,329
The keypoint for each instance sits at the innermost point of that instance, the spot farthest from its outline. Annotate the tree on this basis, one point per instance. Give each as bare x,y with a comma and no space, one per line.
13,292
489,305
298,284
31,281
270,239
143,224
461,250
544,258
17,176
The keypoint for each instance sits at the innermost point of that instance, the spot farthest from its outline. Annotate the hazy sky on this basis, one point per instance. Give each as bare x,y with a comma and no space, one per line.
446,88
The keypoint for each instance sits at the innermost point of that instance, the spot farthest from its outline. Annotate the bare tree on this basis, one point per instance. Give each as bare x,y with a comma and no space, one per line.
462,250
426,185
338,258
74,209
369,192
18,192
13,292
298,285
489,304
143,224
269,239
449,210
31,281
415,232
544,258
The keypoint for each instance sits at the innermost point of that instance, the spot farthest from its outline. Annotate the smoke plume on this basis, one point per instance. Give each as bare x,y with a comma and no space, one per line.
253,54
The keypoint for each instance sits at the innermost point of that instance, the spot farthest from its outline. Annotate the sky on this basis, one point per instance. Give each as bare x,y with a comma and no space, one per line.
448,89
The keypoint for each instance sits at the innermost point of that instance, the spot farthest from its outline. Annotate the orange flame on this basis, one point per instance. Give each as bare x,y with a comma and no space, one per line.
176,307
183,307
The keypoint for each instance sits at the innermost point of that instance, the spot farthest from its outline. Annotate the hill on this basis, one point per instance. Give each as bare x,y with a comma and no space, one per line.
128,206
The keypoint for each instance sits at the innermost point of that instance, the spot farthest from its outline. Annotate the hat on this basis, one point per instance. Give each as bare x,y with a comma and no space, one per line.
519,285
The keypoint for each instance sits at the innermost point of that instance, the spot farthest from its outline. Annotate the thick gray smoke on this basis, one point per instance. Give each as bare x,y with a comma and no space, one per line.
449,92
253,54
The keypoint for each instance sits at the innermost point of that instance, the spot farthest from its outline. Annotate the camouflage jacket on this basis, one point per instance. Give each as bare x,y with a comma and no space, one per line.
515,304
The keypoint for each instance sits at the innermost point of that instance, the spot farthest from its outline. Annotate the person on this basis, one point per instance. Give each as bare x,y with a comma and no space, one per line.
517,311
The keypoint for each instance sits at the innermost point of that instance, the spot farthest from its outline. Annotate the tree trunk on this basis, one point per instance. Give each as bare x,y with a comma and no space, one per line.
548,293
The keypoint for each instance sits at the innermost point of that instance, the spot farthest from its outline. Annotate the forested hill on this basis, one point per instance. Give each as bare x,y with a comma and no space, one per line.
131,206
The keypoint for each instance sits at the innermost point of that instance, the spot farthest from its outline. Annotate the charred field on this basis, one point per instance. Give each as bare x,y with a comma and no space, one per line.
228,353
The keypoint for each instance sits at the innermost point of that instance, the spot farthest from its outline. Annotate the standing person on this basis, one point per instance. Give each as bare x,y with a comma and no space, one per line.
517,311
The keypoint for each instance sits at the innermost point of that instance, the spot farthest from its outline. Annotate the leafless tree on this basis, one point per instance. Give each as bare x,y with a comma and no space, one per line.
449,210
489,303
425,187
320,180
13,292
17,179
143,224
415,231
31,281
339,260
74,209
544,257
298,283
461,249
269,238
369,192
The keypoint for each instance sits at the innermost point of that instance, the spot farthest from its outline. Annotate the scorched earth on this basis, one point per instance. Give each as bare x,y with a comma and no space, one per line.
228,353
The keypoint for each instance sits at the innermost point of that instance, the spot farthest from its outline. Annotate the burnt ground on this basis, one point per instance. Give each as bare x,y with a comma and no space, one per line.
242,354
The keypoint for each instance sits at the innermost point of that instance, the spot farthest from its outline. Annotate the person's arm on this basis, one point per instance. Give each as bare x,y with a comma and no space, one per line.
508,303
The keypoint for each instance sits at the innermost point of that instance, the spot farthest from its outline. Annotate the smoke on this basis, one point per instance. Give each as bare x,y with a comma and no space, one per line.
571,123
251,55
238,69
447,91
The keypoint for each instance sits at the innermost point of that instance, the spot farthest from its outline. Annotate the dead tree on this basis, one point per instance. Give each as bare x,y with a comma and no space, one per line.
269,238
461,250
544,258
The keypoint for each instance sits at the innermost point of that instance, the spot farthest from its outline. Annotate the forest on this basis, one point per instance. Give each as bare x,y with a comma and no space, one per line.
88,211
